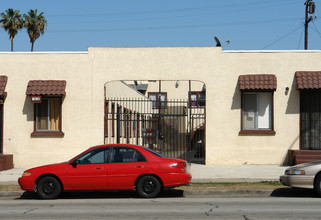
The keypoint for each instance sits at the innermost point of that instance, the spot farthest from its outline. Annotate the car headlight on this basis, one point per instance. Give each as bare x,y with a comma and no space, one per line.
295,172
26,174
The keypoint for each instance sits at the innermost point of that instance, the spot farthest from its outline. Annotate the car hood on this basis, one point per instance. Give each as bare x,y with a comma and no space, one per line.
303,165
47,167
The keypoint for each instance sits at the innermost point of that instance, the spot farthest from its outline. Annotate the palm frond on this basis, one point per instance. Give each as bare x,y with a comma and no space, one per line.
35,24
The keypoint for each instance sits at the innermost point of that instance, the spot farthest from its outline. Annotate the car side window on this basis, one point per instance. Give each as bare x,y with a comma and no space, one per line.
95,156
126,155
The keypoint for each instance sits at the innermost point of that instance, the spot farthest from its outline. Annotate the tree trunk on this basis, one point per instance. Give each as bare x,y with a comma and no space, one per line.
32,45
12,45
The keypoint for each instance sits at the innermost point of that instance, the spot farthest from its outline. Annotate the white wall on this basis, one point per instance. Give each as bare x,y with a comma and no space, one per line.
87,73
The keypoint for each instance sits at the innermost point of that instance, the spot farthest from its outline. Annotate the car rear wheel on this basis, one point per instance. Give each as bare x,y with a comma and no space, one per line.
317,184
148,187
49,188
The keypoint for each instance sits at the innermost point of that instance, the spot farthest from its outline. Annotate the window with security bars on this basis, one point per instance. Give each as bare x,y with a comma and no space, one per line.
48,114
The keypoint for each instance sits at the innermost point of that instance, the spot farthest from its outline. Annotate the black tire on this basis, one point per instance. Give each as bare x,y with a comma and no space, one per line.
148,187
49,188
317,184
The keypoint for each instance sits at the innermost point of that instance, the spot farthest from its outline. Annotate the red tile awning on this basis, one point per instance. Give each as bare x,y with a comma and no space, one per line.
257,82
308,79
46,87
3,83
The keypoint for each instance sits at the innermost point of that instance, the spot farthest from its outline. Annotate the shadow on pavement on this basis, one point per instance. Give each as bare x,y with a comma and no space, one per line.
168,193
294,192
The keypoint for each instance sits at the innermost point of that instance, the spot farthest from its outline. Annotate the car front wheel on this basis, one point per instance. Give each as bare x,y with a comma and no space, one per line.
49,188
148,187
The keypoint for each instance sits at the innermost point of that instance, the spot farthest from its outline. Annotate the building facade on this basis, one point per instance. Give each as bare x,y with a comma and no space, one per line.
259,104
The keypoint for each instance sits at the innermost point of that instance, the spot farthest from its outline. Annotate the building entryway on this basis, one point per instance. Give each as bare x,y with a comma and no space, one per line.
6,160
310,128
145,115
310,120
1,128
172,129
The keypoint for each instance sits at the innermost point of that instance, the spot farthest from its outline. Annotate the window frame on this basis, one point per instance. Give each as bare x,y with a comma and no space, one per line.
270,131
57,133
157,99
197,99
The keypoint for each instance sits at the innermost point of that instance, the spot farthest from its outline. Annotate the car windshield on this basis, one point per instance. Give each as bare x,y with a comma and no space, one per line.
154,152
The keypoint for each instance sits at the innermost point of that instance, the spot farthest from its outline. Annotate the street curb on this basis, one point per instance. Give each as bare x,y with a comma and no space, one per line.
232,180
200,180
11,194
189,193
6,183
227,193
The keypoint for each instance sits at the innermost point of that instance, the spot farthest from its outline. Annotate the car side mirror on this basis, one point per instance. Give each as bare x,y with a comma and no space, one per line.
74,163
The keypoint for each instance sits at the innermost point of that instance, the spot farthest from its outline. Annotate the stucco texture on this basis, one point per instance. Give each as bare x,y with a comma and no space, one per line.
87,74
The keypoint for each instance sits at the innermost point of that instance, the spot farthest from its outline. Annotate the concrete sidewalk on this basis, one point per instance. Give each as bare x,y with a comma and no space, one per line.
241,173
200,173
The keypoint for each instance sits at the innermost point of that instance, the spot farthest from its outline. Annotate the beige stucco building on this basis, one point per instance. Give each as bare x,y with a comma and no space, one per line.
81,113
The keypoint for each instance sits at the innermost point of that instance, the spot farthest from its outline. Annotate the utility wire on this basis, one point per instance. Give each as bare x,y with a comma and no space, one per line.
283,36
144,19
245,5
300,39
316,29
100,21
174,27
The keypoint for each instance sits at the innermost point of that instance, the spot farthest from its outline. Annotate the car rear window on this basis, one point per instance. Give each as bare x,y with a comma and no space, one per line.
154,152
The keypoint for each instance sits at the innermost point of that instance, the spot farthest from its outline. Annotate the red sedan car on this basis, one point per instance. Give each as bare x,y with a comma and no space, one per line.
108,167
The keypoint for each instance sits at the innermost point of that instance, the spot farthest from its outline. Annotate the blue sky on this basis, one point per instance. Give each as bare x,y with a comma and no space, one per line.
247,24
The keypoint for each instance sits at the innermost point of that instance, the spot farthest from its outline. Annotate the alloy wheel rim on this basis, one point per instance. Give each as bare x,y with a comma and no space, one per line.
149,186
49,187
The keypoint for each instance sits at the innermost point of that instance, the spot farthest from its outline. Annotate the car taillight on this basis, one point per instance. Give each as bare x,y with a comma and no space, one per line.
180,165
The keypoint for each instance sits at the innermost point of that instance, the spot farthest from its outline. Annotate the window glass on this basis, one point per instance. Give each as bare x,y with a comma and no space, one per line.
47,114
249,111
197,99
152,97
257,111
194,99
264,111
162,98
54,114
154,152
126,155
157,98
95,156
202,99
42,115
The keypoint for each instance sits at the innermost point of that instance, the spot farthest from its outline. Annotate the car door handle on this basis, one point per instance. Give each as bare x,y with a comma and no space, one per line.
139,166
99,168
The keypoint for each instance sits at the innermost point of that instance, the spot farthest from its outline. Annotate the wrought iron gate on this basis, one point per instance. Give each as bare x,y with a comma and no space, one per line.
170,127
310,120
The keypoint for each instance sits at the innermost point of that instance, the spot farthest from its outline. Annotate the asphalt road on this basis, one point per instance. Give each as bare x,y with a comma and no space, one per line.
115,206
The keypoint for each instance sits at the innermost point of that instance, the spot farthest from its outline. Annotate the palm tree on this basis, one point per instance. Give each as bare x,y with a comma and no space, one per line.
35,24
11,21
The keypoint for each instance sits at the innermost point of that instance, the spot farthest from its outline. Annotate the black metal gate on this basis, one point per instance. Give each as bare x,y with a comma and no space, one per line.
170,127
310,117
